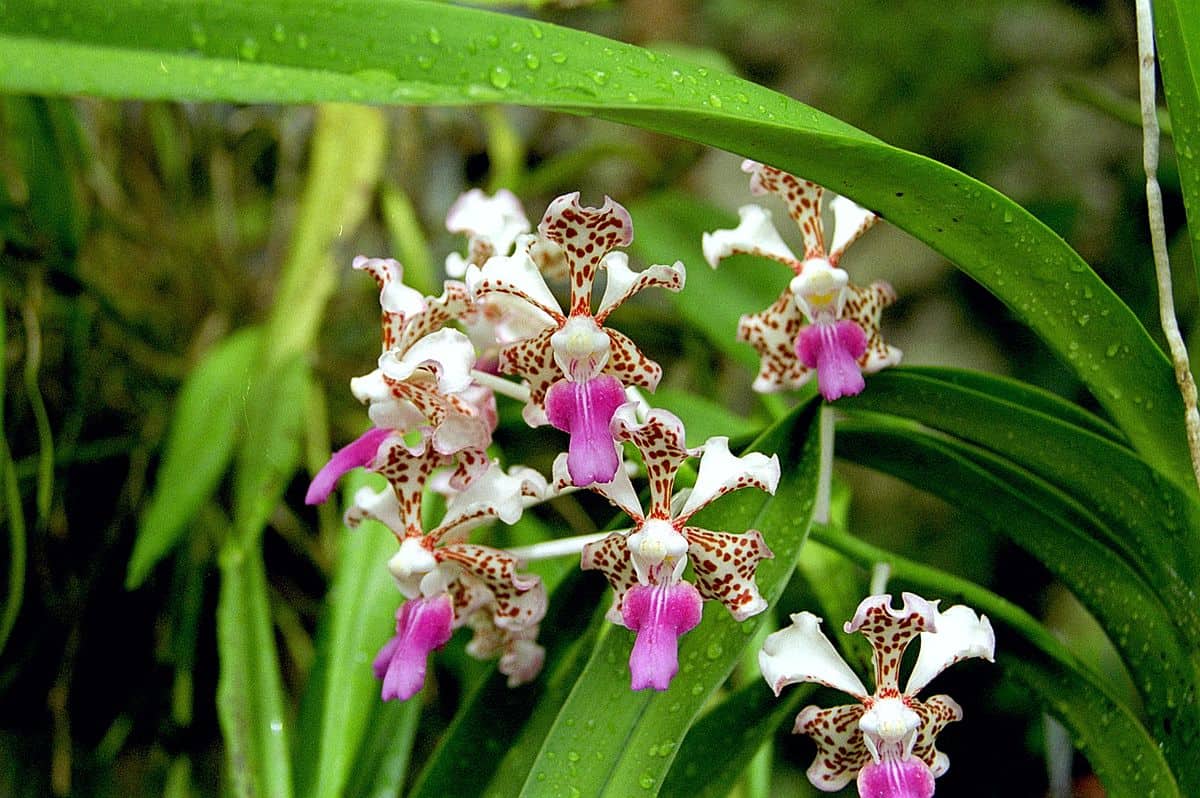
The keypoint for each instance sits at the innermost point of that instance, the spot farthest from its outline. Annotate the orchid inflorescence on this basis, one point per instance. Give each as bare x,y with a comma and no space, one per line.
431,401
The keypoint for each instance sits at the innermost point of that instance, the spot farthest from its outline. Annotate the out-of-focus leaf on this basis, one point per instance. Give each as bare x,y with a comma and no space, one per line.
382,763
1125,756
1059,533
669,226
342,691
270,450
628,747
204,427
347,156
1177,33
249,695
441,54
14,512
44,142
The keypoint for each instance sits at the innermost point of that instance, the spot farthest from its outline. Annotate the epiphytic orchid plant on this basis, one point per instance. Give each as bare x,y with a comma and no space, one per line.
151,236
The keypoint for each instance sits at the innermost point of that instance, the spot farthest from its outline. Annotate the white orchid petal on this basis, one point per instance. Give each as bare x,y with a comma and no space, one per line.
958,634
850,220
802,653
493,494
498,219
720,472
621,282
450,350
456,266
619,491
754,234
372,505
513,275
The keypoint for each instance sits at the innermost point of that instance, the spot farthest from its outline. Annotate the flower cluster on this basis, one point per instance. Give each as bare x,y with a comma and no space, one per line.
432,405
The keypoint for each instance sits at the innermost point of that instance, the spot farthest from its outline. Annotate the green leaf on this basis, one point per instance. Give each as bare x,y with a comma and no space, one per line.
278,51
342,691
737,728
199,447
1149,520
628,747
249,695
1058,532
384,758
1124,755
14,512
1177,33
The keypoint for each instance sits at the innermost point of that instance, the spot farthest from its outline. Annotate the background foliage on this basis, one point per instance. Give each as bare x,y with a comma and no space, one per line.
180,324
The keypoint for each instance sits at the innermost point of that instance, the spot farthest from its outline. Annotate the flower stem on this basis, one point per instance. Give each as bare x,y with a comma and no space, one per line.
556,548
1158,233
513,390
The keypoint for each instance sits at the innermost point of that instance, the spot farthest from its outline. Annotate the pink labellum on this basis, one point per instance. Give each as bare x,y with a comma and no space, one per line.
659,615
421,626
357,454
896,778
833,350
584,410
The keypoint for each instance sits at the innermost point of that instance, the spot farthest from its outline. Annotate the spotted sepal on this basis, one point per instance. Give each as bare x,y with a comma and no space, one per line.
407,315
407,469
586,235
889,631
724,564
864,306
772,332
936,712
627,363
661,441
841,748
533,359
803,199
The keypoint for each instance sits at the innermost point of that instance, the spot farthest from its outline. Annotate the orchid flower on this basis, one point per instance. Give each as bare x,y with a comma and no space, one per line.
886,740
822,322
645,565
447,581
423,379
576,367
